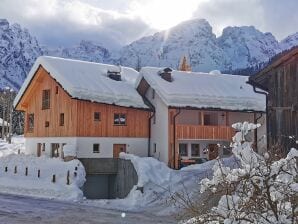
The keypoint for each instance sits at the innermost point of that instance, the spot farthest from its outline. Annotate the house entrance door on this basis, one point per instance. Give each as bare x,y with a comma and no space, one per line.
213,151
117,148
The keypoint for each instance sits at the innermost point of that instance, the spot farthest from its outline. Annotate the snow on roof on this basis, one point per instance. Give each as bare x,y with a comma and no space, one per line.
89,81
5,122
202,90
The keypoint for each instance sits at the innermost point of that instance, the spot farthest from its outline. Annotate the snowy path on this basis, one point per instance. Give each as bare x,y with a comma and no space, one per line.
23,210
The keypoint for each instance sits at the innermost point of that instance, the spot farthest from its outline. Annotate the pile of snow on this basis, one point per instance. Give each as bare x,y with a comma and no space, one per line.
215,72
69,150
5,122
89,81
16,147
158,182
14,181
203,90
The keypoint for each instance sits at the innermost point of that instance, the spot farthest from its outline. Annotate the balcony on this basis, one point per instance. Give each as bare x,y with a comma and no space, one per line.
204,132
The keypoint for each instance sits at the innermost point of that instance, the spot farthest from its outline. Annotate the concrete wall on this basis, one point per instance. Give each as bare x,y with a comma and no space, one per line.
137,146
159,130
108,178
125,179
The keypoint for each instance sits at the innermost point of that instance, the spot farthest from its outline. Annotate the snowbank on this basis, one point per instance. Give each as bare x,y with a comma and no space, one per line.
158,182
16,146
69,150
15,181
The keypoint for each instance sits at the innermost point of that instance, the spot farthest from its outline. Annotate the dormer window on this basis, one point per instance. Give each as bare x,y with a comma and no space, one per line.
115,75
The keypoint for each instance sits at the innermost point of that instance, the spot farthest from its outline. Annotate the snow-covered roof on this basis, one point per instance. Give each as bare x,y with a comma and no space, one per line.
203,90
89,81
5,122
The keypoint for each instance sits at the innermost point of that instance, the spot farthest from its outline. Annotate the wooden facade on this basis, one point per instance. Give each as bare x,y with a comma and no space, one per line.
280,80
78,115
194,132
224,133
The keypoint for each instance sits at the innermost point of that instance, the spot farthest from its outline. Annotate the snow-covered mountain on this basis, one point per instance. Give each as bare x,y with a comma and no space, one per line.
18,51
193,39
236,48
86,50
246,47
289,41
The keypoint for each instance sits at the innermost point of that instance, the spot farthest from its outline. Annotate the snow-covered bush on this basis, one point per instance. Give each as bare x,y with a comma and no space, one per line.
262,190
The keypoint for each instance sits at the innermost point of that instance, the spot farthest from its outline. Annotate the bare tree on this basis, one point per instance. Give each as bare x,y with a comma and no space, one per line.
6,101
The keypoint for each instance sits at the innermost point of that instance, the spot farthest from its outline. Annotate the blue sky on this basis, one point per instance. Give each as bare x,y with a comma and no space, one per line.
117,22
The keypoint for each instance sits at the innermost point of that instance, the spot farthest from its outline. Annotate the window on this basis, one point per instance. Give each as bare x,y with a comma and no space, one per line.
183,149
95,148
195,149
154,149
30,122
61,121
96,116
119,119
43,147
55,150
56,89
46,94
207,119
47,124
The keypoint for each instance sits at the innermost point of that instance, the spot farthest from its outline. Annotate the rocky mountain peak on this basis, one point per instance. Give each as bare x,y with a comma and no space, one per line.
236,48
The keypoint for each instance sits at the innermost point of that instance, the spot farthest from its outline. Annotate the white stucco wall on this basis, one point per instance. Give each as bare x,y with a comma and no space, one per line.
159,130
137,146
203,145
84,145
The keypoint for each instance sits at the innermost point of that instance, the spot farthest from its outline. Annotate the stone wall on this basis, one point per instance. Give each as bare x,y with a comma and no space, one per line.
108,178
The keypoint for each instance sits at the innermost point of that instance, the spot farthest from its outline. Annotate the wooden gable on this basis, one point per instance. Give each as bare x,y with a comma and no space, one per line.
78,115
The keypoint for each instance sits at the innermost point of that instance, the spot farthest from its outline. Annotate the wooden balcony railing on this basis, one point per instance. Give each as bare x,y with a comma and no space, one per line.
204,132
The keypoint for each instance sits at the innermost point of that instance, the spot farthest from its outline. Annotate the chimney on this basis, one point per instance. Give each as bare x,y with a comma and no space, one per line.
166,74
115,75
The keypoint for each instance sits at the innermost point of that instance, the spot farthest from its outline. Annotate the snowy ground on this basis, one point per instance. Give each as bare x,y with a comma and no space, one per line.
26,210
17,145
157,180
19,174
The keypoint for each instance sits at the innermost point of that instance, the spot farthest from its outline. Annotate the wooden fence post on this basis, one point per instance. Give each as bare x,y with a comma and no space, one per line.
38,173
15,169
54,178
67,178
26,171
6,169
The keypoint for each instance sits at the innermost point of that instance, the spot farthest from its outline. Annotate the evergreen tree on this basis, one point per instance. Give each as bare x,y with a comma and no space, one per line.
184,66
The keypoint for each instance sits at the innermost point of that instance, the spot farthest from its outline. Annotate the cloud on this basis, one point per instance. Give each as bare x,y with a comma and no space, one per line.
114,23
276,16
64,23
